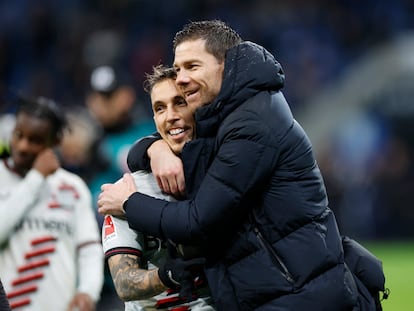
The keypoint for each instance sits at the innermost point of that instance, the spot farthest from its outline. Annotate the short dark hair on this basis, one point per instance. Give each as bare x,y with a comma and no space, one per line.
45,109
159,73
219,37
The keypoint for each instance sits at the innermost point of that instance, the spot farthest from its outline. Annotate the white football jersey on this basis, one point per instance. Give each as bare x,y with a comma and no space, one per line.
118,237
50,246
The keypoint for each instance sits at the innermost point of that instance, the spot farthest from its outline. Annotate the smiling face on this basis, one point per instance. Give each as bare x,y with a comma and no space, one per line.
199,73
172,116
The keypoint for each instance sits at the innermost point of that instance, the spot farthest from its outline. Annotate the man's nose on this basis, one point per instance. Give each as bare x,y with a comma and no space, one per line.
23,144
172,114
182,77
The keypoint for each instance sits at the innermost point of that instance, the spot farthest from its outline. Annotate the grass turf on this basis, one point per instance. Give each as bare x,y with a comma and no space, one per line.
398,263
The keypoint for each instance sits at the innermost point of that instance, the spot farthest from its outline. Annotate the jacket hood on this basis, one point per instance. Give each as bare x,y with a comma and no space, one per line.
248,69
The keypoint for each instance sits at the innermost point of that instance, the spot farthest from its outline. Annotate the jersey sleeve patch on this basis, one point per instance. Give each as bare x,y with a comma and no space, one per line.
109,228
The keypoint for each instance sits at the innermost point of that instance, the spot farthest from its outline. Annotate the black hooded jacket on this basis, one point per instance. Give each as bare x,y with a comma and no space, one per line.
259,207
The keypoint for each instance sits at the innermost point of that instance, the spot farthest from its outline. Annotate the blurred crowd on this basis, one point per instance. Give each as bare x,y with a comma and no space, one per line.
49,47
92,54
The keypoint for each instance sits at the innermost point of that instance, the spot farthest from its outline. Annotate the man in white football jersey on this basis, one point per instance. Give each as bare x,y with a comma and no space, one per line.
50,249
141,276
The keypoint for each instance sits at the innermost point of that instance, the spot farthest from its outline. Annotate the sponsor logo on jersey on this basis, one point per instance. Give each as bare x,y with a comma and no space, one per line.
51,225
109,227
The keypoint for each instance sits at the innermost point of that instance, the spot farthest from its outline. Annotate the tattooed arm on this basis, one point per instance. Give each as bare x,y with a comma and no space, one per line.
131,282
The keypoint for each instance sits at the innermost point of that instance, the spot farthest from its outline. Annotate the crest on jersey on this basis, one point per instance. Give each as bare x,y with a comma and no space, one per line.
65,197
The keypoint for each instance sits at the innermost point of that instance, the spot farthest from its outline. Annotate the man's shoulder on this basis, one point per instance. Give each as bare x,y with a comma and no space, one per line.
143,178
147,184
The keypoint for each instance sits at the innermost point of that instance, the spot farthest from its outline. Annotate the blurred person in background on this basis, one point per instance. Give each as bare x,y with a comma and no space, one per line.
140,265
101,134
81,150
102,131
7,121
50,257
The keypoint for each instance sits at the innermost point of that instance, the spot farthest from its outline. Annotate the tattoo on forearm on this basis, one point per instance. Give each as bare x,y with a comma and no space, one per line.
132,282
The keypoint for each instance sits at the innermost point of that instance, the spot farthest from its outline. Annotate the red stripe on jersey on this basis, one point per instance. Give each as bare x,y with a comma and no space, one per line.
64,186
20,303
34,265
43,240
180,308
54,205
28,278
123,250
173,301
42,251
22,291
171,291
168,302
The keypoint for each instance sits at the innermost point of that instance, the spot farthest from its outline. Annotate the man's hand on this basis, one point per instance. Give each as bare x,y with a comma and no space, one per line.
180,274
113,196
81,302
167,168
46,162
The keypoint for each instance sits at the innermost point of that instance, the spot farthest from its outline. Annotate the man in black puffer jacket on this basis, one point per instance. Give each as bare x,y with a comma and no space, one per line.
261,211
4,303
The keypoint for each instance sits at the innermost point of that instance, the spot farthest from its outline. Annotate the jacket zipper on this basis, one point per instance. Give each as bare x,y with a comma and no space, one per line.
276,259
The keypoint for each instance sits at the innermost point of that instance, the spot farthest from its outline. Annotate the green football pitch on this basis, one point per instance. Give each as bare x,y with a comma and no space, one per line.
398,263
